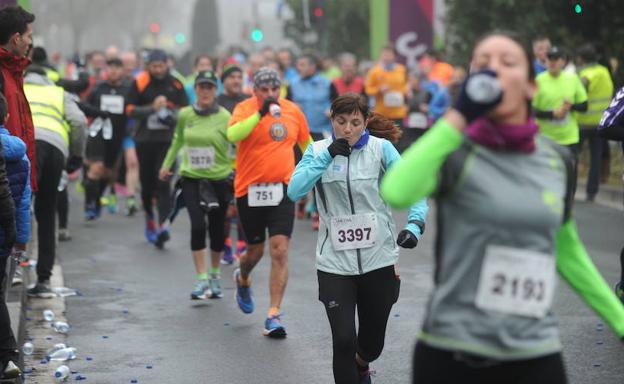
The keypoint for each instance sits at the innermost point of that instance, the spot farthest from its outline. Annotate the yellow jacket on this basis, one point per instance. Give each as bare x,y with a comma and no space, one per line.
391,102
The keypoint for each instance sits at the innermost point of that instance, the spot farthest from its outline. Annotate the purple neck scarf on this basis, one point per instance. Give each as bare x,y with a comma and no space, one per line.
503,137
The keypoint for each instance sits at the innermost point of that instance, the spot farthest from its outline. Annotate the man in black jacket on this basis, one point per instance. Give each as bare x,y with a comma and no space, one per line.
153,100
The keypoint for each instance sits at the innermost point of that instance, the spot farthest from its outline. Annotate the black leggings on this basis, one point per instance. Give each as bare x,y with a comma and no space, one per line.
151,157
436,366
216,217
373,293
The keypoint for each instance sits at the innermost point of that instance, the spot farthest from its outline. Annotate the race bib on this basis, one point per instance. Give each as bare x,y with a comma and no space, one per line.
265,195
112,103
201,158
417,120
516,282
393,99
154,124
354,231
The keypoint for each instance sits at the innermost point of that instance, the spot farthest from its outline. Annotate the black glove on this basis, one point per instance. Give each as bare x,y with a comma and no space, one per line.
406,239
73,163
266,105
479,93
339,147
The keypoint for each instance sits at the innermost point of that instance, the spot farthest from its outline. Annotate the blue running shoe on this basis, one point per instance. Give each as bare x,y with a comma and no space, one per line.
91,212
151,234
227,258
244,296
161,238
199,291
273,327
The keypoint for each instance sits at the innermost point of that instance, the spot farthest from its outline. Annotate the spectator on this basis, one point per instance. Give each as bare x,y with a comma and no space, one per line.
349,81
541,46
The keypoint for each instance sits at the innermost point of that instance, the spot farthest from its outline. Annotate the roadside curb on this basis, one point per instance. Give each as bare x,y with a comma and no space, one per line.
608,196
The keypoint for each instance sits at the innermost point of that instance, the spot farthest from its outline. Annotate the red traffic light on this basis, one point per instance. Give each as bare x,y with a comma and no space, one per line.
318,12
154,27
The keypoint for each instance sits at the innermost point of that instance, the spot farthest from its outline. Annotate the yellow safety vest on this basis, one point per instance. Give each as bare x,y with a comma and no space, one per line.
599,93
47,108
53,75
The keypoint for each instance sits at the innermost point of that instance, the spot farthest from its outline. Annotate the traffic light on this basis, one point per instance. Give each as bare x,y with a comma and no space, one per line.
154,27
180,38
578,8
318,12
257,35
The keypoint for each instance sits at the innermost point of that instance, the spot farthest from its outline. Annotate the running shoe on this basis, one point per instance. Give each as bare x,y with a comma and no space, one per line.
619,292
215,288
199,291
273,327
241,247
64,235
112,204
91,212
244,296
151,234
301,211
162,237
131,207
11,371
41,290
227,258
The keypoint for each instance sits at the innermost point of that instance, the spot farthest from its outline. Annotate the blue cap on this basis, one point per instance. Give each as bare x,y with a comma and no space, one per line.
157,55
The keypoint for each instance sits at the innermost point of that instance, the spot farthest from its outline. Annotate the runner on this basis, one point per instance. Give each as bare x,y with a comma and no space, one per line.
107,101
232,80
356,267
153,100
504,199
264,164
206,167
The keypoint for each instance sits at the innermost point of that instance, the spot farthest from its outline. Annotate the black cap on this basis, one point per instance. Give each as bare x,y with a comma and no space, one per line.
229,69
157,55
115,61
555,53
204,77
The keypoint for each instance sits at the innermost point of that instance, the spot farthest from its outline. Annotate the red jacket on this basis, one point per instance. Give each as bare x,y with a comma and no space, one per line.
20,122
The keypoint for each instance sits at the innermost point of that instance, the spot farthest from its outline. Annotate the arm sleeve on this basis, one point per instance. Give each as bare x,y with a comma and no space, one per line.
543,114
415,176
239,131
418,211
176,143
22,212
132,109
308,172
580,107
574,264
78,123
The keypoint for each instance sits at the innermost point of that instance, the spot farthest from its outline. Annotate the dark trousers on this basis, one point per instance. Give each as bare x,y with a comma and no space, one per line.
596,145
8,345
436,366
62,206
151,157
373,294
50,165
197,215
576,150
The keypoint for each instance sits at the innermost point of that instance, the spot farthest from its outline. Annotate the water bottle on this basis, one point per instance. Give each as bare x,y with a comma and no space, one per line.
28,348
95,126
63,182
61,373
275,110
56,347
483,88
62,355
60,327
48,315
107,129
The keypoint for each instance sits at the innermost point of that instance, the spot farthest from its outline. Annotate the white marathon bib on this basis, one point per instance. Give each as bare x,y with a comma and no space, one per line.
393,99
516,282
354,231
201,157
265,195
417,120
112,103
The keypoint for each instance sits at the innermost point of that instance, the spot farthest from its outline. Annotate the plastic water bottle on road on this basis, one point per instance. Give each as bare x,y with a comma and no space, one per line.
62,355
60,326
62,373
28,348
48,315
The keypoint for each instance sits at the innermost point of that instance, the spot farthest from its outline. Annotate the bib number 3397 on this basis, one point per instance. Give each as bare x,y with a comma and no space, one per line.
516,281
265,195
354,231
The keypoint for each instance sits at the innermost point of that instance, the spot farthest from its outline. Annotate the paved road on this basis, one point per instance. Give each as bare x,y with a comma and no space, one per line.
135,311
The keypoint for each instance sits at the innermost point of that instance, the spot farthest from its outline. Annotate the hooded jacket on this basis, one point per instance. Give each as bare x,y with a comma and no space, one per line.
18,175
20,122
